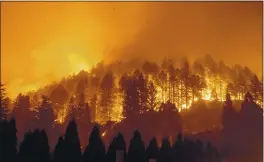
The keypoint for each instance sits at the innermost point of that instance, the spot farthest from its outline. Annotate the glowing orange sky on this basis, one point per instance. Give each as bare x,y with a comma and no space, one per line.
43,41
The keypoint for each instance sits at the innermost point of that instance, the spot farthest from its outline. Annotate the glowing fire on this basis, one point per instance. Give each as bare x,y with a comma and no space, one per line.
215,90
116,111
61,115
213,85
103,134
206,95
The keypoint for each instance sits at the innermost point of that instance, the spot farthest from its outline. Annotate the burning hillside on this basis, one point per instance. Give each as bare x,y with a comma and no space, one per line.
108,92
154,75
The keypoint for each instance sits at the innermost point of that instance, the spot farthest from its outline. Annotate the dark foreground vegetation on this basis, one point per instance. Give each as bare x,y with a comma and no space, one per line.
241,141
35,148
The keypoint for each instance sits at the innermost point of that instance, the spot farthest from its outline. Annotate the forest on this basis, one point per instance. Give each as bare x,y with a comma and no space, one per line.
157,99
241,141
35,147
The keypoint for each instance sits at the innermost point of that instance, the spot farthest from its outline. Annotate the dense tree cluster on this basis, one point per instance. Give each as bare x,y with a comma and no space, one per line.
242,130
144,95
5,101
35,147
247,123
114,91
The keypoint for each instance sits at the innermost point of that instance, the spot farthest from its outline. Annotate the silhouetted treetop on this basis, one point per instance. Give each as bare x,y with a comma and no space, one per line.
72,143
120,143
152,150
95,151
165,151
136,149
59,152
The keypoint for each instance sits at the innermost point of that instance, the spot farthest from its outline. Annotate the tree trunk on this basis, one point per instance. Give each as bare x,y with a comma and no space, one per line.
186,94
220,85
192,95
173,92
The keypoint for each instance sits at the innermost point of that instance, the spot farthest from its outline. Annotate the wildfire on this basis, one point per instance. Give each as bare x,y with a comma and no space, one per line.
61,115
116,114
162,95
206,95
103,134
215,89
184,106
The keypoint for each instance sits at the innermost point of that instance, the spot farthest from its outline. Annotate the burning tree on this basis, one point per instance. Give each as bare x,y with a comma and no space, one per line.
107,96
137,91
152,101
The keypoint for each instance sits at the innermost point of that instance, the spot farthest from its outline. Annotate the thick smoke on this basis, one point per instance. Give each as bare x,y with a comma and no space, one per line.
56,39
192,30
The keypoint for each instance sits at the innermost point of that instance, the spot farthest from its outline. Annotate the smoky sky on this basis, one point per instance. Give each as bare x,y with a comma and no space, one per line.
228,31
44,41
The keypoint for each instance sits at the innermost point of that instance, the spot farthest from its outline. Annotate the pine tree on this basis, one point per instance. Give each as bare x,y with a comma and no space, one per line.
172,81
255,87
72,143
26,148
165,151
152,150
136,149
34,147
196,86
71,107
43,146
143,92
230,124
4,105
185,88
59,95
231,89
117,144
241,85
178,149
152,101
95,151
93,106
162,81
131,105
46,115
22,114
8,143
107,96
59,151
